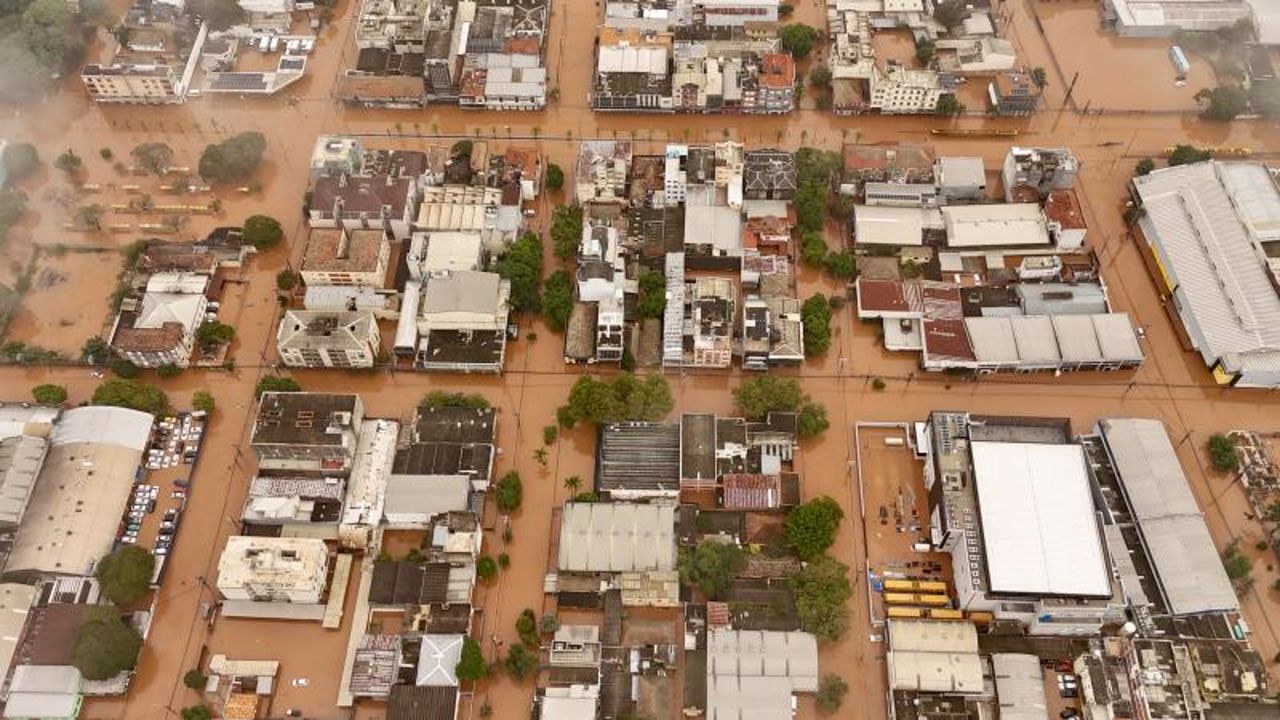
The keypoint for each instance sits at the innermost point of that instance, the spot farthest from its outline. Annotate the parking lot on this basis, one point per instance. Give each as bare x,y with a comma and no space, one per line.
160,495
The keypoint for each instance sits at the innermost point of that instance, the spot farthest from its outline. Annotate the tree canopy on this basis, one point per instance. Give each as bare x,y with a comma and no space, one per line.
125,575
831,691
522,265
105,646
652,300
950,13
820,590
557,300
1224,103
1144,166
276,383
620,398
20,160
197,712
509,492
51,33
1238,567
234,158
262,231
154,157
222,14
810,528
555,177
1186,154
203,401
566,230
49,394
798,39
471,664
816,316
211,334
520,662
134,394
711,566
1222,453
446,399
948,106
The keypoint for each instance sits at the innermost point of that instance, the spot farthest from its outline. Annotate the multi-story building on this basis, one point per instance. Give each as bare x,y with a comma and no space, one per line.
896,89
734,13
273,570
384,202
156,84
1032,173
602,171
776,84
160,328
321,339
1013,93
347,257
302,433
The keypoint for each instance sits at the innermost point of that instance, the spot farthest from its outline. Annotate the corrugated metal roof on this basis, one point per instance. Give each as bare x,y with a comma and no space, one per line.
617,537
1173,529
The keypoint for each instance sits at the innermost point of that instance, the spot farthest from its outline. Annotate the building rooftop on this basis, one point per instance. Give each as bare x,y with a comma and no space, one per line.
361,196
344,250
438,660
617,537
304,418
1063,208
997,225
954,171
888,225
324,329
1173,530
410,702
280,562
752,674
409,583
464,292
1038,520
934,656
639,456
415,499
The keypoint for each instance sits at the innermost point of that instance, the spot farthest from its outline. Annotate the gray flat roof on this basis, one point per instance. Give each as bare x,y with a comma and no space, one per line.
617,537
1173,530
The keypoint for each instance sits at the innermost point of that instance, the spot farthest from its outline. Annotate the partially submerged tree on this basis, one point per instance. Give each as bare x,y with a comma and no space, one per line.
104,646
711,566
125,575
821,590
810,528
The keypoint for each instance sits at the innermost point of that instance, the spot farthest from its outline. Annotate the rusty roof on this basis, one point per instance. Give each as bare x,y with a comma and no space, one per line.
158,339
747,491
240,706
342,250
386,87
947,339
777,71
1063,207
361,195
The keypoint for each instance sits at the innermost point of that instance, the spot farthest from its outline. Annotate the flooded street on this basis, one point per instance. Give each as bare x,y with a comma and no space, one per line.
67,306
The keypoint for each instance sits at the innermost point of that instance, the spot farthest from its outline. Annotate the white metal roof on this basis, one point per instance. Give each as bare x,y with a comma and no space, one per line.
438,660
888,225
617,537
1019,686
624,59
751,674
996,225
1038,522
1192,220
1173,530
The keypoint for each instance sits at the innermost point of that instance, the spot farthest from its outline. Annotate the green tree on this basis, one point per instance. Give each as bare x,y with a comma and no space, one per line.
1144,166
810,528
816,316
1273,512
444,399
196,712
262,231
572,483
811,419
527,628
50,33
168,371
1239,568
566,230
1186,154
621,398
821,590
104,646
711,566
154,157
549,434
555,177
49,394
950,13
813,249
20,160
841,265
810,201
287,280
509,492
486,567
123,368
133,394
520,662
471,664
212,334
195,679
1222,453
831,692
222,14
276,383
758,396
948,106
461,149
548,624
125,575
232,159
522,265
1039,77
925,50
820,76
652,300
1224,102
69,162
557,300
798,39
203,401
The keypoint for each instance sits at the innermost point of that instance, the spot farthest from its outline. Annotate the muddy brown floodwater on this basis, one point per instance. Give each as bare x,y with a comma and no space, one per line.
1172,386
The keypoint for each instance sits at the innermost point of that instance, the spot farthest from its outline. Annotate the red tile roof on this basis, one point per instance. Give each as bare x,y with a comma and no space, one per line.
777,71
1063,207
717,615
947,339
744,491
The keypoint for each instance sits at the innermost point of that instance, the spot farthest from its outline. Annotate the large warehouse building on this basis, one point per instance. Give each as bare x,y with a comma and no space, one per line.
1213,229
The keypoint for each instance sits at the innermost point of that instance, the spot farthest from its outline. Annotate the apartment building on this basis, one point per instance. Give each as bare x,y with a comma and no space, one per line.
321,339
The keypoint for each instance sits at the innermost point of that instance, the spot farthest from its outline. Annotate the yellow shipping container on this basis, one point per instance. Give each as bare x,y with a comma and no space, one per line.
900,598
934,600
905,612
931,586
899,585
945,614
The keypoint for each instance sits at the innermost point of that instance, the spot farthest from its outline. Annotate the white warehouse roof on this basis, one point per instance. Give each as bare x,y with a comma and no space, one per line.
997,225
888,225
617,537
1183,555
1038,524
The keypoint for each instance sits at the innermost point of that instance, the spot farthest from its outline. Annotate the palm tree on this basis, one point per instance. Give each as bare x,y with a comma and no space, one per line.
572,483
